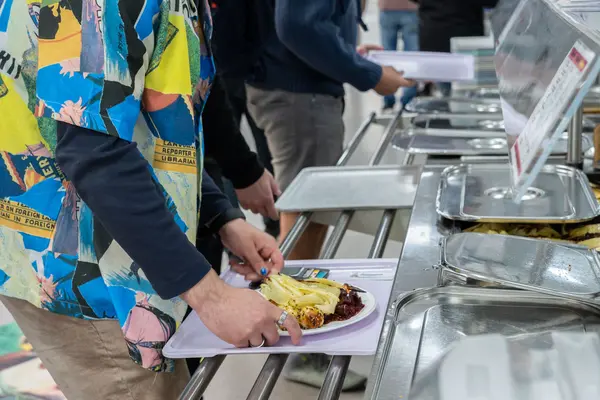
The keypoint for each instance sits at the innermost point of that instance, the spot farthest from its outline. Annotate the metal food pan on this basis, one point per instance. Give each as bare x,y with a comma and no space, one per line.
451,133
474,122
453,105
477,122
481,193
429,321
554,268
420,142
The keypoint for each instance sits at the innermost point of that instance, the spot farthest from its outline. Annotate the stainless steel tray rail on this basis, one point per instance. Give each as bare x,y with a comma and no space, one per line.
264,384
272,368
338,367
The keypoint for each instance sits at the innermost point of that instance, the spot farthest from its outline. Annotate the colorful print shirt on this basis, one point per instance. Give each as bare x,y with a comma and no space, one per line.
137,69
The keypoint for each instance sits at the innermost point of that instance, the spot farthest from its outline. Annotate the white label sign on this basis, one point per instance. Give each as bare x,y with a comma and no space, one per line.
554,101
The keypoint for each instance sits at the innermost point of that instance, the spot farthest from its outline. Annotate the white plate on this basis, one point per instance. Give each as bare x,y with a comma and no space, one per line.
370,305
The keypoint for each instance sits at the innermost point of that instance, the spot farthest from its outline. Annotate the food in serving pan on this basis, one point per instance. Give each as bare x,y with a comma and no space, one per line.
540,231
587,235
596,190
313,302
584,235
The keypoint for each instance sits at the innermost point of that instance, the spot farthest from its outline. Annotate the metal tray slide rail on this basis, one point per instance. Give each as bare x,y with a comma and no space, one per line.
338,367
428,322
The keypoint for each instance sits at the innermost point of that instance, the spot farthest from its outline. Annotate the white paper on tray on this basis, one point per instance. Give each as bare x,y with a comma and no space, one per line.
429,66
376,276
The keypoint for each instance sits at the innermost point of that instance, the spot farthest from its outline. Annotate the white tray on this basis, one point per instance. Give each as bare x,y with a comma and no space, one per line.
194,340
421,65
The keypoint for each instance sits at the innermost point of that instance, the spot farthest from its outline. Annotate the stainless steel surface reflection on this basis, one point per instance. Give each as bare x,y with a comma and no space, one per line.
458,143
429,321
351,188
493,123
419,253
451,311
477,122
422,105
537,265
559,194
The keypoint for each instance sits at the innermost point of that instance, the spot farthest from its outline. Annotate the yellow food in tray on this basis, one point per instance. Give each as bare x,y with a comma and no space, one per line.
596,190
313,302
531,231
586,235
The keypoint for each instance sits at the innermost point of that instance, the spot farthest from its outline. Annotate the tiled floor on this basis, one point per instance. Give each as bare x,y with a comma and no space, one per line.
243,369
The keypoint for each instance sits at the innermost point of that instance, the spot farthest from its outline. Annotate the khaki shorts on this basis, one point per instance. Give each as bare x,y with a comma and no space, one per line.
302,130
89,359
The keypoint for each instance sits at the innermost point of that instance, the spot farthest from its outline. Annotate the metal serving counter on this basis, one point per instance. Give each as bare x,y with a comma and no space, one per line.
415,270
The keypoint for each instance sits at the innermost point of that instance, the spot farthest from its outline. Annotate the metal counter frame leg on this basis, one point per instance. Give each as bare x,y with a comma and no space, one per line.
274,365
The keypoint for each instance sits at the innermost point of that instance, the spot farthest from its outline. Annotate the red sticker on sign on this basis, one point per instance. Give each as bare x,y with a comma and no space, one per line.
579,61
517,157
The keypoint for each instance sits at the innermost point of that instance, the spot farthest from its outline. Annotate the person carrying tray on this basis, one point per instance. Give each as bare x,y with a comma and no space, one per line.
99,195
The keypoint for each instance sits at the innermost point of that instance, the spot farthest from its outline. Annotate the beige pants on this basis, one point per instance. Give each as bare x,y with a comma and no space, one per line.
302,129
89,359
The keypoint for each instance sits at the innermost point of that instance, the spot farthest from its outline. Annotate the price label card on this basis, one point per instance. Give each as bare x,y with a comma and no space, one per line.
555,100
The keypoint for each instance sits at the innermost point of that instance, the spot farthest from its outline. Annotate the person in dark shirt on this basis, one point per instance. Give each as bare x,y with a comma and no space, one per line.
441,20
236,39
306,52
234,168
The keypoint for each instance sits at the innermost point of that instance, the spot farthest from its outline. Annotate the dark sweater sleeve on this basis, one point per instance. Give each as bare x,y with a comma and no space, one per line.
113,179
224,141
306,29
214,202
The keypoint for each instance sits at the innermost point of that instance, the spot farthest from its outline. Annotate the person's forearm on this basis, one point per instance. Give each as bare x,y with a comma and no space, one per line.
224,141
305,28
113,179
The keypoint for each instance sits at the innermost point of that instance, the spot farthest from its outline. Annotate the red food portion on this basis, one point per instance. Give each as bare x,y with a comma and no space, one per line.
347,307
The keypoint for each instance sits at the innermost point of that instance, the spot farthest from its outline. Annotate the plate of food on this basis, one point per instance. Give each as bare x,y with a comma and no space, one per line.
319,305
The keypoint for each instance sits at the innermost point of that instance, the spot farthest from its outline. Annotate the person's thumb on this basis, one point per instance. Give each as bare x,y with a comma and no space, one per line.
275,187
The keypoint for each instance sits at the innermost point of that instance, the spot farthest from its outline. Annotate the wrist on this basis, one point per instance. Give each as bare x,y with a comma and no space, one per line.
222,219
207,290
233,224
252,169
